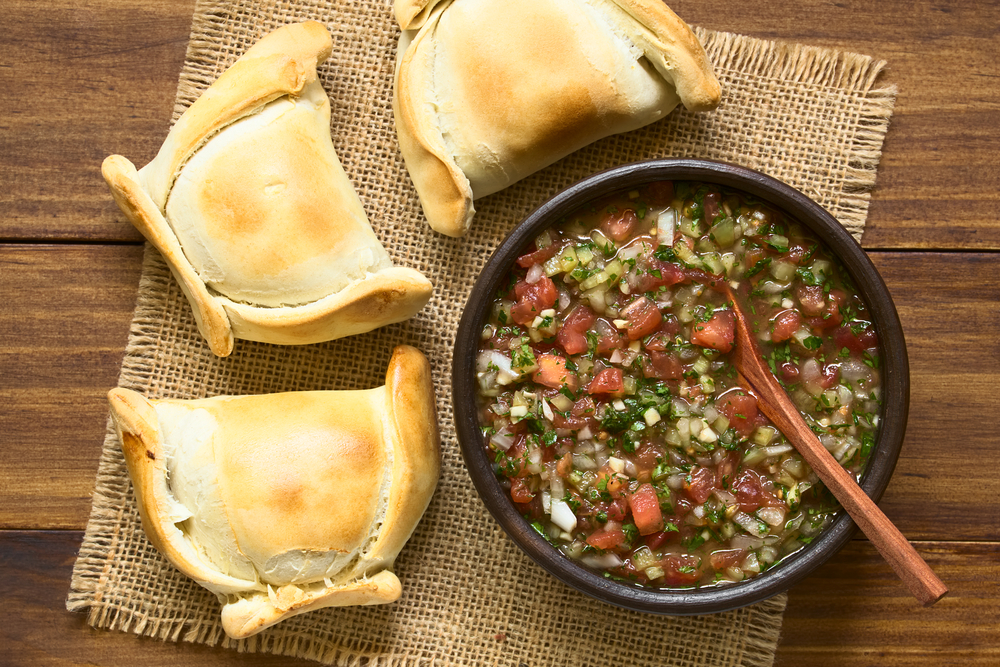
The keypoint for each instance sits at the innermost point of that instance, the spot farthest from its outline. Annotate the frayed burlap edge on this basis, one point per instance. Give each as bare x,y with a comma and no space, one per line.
825,68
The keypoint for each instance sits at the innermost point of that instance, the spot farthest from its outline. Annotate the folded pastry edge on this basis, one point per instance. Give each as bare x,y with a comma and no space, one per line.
444,191
138,430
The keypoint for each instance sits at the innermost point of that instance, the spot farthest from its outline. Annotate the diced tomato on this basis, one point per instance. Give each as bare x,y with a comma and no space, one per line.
646,512
711,205
784,324
565,465
724,558
608,381
572,336
753,491
797,250
659,342
519,491
532,299
831,373
725,473
569,423
682,505
740,408
670,326
681,569
660,192
811,299
656,274
608,337
516,459
538,256
649,455
753,255
831,317
619,224
845,337
617,508
584,407
552,373
606,539
789,371
717,333
643,318
699,484
662,366
657,540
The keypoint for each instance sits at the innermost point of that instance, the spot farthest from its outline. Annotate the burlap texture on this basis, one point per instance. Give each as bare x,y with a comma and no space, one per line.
811,117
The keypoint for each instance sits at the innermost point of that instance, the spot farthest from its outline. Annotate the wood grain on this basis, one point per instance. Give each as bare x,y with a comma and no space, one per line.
110,73
82,81
938,181
63,326
36,629
852,612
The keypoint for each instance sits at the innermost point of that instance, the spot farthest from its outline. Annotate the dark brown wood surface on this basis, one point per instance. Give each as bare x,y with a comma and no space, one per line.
83,80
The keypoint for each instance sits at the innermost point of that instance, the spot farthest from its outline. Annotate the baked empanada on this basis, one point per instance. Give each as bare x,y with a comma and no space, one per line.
285,503
249,205
490,91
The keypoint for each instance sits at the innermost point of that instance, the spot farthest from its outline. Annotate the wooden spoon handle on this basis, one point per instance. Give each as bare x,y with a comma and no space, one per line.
916,574
778,407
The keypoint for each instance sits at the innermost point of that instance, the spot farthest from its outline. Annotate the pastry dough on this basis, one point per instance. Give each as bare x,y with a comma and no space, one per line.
490,91
250,207
285,503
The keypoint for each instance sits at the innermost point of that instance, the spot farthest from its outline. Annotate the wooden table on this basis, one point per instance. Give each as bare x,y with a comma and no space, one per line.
82,82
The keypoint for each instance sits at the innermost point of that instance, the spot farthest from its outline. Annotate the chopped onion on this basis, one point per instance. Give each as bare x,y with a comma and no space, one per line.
746,542
777,450
676,482
535,274
666,226
724,496
562,515
604,561
811,375
748,523
564,300
502,439
772,516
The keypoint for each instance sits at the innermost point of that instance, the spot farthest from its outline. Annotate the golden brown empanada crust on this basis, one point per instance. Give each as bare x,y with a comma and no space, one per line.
286,481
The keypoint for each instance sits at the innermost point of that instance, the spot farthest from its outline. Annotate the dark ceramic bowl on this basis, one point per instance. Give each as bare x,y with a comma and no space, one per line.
793,568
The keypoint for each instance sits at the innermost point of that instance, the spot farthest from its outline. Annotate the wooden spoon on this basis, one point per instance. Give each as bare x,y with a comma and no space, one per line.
778,407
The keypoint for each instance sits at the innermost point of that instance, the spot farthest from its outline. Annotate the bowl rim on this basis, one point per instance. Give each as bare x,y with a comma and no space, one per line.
894,365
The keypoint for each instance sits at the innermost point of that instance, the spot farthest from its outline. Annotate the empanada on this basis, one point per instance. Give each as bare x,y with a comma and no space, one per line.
285,503
249,205
490,91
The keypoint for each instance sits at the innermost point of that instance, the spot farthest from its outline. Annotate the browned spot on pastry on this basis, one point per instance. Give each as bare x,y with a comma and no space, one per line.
131,442
150,455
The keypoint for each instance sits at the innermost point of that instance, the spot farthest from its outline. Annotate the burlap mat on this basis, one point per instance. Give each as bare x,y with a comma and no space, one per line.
809,116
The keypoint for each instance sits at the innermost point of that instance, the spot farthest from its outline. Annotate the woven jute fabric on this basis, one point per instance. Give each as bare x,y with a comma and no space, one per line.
814,118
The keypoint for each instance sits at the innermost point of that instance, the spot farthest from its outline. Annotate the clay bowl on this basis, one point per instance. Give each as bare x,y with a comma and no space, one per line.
793,568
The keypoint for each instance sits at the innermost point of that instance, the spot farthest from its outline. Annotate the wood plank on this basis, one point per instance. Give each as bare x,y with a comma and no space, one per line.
110,72
64,323
938,181
853,611
82,81
949,305
36,629
63,346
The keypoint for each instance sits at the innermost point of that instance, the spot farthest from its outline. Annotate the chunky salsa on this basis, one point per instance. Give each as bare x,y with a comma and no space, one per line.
613,414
